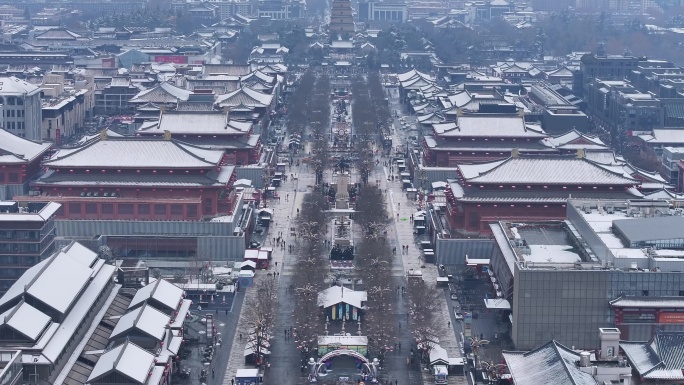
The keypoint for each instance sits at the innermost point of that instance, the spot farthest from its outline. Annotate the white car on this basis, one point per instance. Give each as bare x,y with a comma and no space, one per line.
457,314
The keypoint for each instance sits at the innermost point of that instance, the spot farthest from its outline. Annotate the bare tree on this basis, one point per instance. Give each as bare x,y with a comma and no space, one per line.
424,305
261,314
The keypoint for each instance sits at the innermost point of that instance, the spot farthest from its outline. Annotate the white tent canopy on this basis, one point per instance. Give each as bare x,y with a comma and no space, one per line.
499,303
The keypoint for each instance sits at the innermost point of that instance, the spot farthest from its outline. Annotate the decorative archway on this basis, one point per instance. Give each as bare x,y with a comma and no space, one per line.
316,367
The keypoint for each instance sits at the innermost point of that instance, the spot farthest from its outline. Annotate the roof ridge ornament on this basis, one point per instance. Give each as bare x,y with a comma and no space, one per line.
103,134
167,135
580,153
515,153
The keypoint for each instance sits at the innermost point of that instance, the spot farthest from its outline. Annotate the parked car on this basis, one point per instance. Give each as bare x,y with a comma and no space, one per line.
458,315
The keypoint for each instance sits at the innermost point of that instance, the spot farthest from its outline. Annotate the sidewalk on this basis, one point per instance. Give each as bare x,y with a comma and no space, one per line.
282,218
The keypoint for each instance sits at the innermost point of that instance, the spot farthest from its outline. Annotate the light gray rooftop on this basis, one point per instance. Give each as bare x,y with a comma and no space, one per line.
128,359
199,123
651,229
14,149
26,320
162,291
550,171
489,126
140,153
145,319
552,363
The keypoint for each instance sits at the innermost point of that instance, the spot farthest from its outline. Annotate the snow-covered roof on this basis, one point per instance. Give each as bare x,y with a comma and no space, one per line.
552,363
438,355
16,150
197,123
244,96
412,74
664,135
136,153
145,319
662,358
162,93
549,171
41,281
574,140
126,359
340,294
343,340
26,320
15,86
162,291
489,126
497,303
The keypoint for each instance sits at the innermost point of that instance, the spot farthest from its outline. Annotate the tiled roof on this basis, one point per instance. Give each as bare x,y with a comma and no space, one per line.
550,171
245,97
552,363
662,358
127,359
52,178
14,149
226,69
162,93
58,34
489,126
198,123
11,86
573,140
136,153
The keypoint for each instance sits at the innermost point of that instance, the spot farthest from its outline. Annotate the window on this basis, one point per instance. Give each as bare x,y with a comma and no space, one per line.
143,209
125,208
107,208
91,208
74,208
176,209
13,177
644,293
159,209
192,213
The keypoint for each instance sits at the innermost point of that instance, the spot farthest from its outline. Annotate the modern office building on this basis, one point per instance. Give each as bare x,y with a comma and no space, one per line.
21,108
610,264
382,11
608,67
27,235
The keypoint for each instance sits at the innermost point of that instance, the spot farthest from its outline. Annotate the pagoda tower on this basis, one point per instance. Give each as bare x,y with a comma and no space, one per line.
341,19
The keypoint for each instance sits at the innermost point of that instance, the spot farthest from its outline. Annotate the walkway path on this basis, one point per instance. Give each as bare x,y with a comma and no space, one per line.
280,262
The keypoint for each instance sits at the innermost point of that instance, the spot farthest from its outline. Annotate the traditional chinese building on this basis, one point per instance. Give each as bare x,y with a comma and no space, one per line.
214,130
248,105
137,179
529,188
481,137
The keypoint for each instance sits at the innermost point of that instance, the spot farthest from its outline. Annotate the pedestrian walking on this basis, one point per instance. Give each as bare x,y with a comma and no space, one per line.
226,311
240,336
449,323
399,345
213,372
276,263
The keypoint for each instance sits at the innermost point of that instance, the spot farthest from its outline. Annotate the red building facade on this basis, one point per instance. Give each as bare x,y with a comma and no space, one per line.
529,189
137,179
19,159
